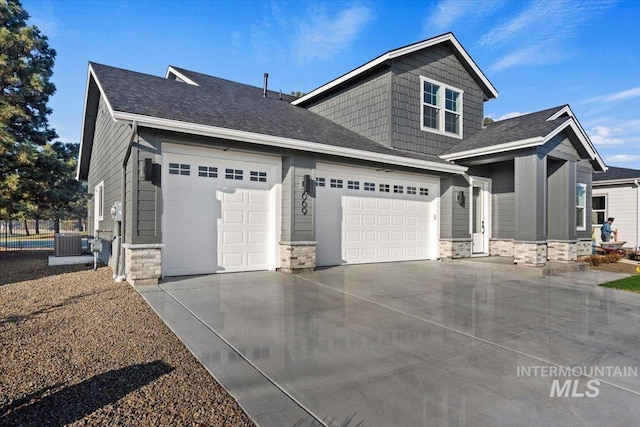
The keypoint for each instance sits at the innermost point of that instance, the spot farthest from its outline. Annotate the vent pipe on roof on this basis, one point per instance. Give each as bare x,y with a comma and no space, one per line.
280,95
264,89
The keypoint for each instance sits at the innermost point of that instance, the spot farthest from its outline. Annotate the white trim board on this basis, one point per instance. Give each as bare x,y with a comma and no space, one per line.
401,52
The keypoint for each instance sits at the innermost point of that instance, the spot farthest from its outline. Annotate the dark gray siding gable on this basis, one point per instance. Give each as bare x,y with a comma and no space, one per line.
363,107
437,63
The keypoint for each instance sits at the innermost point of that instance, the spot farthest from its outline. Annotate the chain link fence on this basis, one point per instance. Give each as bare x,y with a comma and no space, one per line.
37,234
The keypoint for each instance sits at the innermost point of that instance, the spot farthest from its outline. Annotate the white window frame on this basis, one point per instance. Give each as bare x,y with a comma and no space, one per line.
98,205
441,104
604,211
584,207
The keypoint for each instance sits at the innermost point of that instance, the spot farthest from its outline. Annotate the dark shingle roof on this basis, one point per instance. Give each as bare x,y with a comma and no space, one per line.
614,173
231,105
515,129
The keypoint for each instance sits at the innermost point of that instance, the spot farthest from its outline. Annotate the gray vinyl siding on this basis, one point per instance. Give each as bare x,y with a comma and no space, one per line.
561,200
363,107
503,209
109,146
530,182
286,206
147,209
454,218
560,147
437,63
303,226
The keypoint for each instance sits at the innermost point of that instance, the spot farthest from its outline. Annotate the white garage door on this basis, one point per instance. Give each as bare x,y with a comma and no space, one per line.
366,216
218,211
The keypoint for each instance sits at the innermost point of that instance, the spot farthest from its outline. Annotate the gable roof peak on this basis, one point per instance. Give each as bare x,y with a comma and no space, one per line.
449,38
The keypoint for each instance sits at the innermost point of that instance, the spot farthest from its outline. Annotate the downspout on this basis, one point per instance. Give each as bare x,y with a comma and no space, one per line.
635,181
120,267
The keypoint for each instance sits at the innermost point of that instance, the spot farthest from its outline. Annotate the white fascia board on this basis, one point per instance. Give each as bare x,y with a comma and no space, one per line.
493,149
95,79
398,53
559,113
182,77
614,182
582,137
90,75
84,117
288,143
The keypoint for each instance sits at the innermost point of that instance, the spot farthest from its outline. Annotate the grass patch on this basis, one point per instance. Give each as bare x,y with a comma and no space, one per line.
631,283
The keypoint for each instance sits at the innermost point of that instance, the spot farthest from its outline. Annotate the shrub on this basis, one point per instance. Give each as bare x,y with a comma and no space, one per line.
594,260
612,258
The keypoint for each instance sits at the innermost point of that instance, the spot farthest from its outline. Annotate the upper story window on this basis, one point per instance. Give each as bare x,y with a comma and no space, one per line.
441,108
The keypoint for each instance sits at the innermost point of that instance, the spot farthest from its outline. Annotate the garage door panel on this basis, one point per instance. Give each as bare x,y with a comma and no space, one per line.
216,224
257,237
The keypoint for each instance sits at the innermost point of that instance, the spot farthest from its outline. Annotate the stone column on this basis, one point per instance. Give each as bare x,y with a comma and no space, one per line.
298,257
143,263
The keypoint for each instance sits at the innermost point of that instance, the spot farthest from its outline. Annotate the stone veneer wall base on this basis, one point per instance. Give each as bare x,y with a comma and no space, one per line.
530,253
562,250
501,247
298,257
455,248
143,263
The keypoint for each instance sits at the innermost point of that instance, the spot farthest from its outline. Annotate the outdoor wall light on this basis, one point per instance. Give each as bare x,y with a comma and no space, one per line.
460,198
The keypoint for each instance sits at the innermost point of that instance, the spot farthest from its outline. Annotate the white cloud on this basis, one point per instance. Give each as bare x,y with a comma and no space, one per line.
617,96
623,158
510,115
322,36
542,31
448,12
603,135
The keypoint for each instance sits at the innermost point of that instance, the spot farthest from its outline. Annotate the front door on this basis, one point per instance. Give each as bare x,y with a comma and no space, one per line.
480,215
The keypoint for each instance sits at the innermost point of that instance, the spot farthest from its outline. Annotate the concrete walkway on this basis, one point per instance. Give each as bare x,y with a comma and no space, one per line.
414,343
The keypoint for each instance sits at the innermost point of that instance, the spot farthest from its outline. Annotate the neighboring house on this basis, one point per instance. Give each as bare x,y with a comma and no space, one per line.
388,162
616,193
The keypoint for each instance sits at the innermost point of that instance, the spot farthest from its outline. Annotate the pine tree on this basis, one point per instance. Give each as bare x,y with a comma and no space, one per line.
26,66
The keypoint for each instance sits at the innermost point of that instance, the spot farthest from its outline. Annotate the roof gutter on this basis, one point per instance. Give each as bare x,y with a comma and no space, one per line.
286,143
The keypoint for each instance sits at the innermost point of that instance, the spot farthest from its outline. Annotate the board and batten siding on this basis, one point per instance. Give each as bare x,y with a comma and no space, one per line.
147,209
437,63
110,143
622,204
363,107
454,218
296,226
503,200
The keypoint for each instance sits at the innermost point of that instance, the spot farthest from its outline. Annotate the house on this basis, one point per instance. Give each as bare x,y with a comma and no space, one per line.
388,162
616,193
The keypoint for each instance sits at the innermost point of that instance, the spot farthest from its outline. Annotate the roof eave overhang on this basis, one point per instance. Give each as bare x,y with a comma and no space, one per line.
534,142
489,90
285,143
494,149
622,181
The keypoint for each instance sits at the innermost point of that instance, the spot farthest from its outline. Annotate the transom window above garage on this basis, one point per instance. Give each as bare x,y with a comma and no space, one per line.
383,188
320,182
441,107
411,190
336,183
353,185
207,171
233,174
424,191
398,189
258,176
369,186
179,169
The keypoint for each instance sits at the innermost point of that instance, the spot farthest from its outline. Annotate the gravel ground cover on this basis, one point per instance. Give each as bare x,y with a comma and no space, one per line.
76,348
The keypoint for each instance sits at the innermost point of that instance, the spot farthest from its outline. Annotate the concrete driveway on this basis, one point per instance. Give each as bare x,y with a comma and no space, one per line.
413,343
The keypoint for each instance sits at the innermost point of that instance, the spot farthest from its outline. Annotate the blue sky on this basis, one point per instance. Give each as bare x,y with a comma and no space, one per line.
538,54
